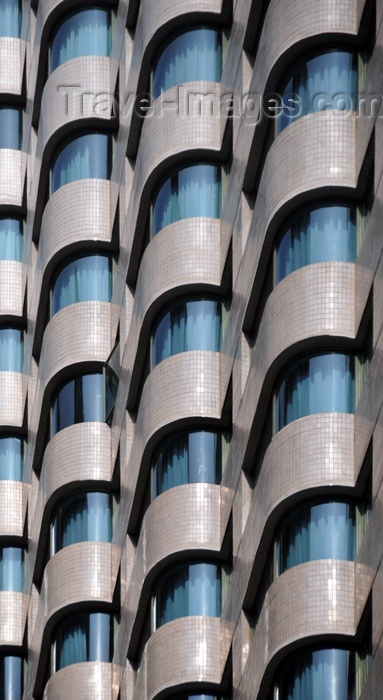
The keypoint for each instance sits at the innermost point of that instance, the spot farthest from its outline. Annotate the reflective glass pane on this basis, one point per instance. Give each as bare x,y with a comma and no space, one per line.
85,637
194,457
11,350
83,517
321,235
86,33
11,569
318,384
194,55
11,239
11,678
88,156
10,127
10,18
191,325
192,191
320,531
78,401
192,589
323,674
88,278
328,81
11,458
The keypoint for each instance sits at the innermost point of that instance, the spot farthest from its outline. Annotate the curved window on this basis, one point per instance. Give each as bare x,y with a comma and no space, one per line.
11,569
79,400
10,18
189,325
194,190
197,696
327,530
11,677
85,33
11,238
10,127
193,55
316,384
11,350
11,458
188,589
188,458
82,517
83,637
320,235
88,278
87,156
328,81
323,674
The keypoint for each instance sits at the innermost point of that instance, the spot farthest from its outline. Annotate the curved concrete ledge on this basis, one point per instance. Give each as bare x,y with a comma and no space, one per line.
13,615
166,135
185,256
85,681
12,392
182,521
77,333
11,288
186,641
89,570
13,500
12,52
12,175
309,603
63,105
311,455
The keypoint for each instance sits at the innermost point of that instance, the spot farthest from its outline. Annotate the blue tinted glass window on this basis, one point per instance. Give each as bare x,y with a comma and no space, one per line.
327,81
191,589
319,531
87,156
83,517
11,238
79,400
194,55
11,350
11,458
84,637
191,325
10,127
317,384
192,191
88,278
11,569
11,678
10,18
188,458
86,33
321,235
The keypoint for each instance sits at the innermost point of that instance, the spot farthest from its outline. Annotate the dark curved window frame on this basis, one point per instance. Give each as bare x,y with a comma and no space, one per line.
73,258
301,61
361,213
57,521
168,40
167,573
360,362
361,518
66,141
223,168
67,16
222,446
177,303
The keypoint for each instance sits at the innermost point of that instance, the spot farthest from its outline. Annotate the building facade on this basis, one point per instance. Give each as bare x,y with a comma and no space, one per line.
190,350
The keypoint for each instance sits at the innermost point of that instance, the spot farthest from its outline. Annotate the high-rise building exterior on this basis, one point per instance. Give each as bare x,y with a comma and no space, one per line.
191,378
